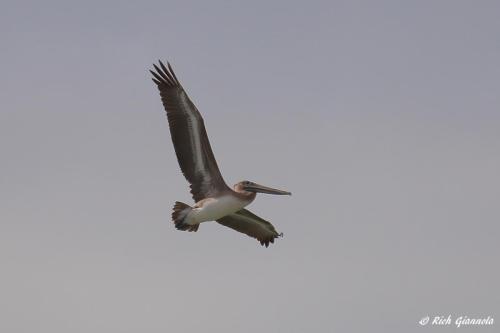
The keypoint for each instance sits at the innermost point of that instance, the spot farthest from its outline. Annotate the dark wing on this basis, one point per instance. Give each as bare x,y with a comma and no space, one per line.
250,224
189,136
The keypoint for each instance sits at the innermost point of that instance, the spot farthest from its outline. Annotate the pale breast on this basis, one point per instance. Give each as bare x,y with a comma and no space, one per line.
211,209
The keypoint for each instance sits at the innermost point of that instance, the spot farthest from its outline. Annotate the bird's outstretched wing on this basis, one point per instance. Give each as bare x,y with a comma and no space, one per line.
189,136
250,224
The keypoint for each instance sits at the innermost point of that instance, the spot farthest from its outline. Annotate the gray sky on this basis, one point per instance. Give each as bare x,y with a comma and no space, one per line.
381,117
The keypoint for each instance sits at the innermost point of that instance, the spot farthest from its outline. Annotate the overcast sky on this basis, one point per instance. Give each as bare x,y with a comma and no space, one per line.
381,117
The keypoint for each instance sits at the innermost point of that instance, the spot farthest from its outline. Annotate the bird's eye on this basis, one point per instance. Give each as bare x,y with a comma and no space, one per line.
247,182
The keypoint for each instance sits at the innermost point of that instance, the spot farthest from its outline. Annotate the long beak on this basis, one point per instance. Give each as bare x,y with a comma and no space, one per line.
264,189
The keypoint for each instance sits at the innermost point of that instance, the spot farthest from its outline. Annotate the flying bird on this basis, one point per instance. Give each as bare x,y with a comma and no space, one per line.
214,200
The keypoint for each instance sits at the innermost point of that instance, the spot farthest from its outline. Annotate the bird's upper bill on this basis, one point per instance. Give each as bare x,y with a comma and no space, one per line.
252,187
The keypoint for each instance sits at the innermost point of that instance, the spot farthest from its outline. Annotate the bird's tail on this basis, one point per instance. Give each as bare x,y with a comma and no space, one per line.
179,215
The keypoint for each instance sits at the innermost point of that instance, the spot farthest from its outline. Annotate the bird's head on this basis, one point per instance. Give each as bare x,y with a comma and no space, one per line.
251,187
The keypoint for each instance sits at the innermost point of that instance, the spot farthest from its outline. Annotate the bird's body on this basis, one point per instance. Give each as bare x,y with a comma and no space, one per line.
215,201
212,209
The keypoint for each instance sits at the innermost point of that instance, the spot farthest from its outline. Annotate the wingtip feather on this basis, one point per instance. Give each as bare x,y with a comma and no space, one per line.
165,74
173,73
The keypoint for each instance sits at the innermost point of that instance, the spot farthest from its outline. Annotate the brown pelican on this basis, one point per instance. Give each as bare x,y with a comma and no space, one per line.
214,200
